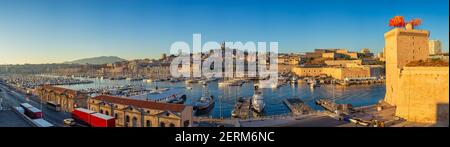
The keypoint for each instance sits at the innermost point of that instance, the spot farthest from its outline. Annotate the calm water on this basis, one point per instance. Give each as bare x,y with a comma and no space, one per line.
225,97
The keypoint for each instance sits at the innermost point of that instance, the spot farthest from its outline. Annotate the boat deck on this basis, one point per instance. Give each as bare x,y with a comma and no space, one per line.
327,104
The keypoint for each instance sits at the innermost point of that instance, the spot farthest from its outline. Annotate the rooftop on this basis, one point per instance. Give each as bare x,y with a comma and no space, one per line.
59,89
429,63
140,103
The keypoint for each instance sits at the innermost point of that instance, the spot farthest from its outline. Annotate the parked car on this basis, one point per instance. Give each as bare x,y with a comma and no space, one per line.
69,122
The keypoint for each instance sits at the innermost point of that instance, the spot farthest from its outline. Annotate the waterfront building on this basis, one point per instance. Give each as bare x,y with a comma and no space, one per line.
67,99
341,73
140,113
343,53
339,64
333,54
287,61
419,91
342,63
434,47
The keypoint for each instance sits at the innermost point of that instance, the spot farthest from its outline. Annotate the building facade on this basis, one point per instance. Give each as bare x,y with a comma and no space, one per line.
341,73
434,47
402,45
419,92
67,99
139,113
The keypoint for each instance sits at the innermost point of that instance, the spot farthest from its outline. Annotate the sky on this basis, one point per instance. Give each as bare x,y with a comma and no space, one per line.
54,31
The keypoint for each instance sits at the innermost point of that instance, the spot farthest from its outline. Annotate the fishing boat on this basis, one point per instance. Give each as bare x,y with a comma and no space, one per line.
179,100
205,102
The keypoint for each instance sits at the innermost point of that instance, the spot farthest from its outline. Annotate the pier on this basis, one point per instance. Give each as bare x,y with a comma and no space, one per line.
353,81
332,106
242,108
297,106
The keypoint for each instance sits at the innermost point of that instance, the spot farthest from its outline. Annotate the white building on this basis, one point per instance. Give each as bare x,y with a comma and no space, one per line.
434,47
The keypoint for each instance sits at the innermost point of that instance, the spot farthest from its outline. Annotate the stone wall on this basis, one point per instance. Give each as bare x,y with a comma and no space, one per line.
342,62
339,73
307,71
401,47
423,96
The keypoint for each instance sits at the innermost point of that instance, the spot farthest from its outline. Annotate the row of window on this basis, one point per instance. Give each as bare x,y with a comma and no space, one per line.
148,123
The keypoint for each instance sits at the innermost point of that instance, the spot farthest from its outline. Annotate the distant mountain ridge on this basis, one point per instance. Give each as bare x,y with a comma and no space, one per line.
97,60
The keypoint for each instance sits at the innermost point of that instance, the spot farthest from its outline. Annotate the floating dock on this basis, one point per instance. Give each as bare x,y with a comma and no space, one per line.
242,109
333,107
297,106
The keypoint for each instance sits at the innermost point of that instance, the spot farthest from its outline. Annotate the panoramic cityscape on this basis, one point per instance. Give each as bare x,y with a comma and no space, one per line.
140,64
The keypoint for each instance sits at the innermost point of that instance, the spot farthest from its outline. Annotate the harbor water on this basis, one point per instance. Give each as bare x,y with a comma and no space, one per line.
225,97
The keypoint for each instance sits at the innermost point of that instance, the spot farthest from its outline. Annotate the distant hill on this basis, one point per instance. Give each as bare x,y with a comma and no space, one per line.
97,60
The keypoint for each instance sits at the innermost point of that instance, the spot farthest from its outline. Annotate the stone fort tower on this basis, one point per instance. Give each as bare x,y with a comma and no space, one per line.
402,45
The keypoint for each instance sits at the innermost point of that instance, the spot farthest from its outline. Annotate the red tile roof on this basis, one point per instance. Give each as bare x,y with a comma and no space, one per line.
141,103
60,90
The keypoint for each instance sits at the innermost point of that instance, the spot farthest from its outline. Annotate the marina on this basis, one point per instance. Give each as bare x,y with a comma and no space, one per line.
225,97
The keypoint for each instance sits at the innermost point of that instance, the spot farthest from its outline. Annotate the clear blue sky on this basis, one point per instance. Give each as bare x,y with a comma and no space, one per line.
48,31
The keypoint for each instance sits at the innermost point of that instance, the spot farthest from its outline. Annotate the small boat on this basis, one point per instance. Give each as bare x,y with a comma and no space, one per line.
189,87
314,84
258,103
147,80
222,83
268,85
189,81
204,103
294,80
203,82
179,100
174,80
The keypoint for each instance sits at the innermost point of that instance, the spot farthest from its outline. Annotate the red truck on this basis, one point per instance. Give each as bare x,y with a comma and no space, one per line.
93,118
31,111
102,120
